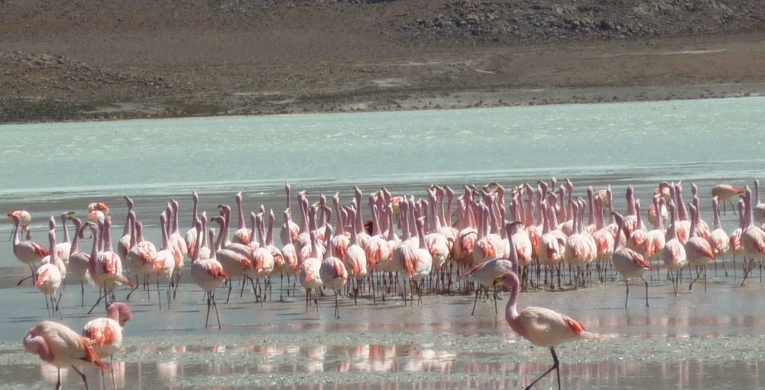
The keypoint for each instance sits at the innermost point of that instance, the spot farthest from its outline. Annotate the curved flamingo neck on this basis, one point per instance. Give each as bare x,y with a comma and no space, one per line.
511,311
76,240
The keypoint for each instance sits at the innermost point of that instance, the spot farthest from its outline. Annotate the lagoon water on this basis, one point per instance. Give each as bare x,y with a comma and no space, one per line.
700,340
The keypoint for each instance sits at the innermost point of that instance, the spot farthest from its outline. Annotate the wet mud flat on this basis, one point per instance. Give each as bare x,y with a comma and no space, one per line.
696,340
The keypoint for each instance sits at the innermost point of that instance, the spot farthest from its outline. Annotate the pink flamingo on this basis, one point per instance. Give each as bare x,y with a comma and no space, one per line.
141,255
48,277
636,239
332,271
629,263
208,274
24,220
177,242
423,263
27,252
752,237
355,256
235,264
310,272
289,230
551,247
758,209
242,235
289,255
487,274
192,234
164,261
62,347
106,332
262,259
673,254
718,239
541,326
725,192
735,236
654,239
123,245
107,266
577,252
682,223
340,241
63,248
698,249
79,261
97,212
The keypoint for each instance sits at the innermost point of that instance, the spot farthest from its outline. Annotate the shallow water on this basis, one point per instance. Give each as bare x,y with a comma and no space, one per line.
694,341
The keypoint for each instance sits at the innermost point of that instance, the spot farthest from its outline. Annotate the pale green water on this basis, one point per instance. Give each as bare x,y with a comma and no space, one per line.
51,168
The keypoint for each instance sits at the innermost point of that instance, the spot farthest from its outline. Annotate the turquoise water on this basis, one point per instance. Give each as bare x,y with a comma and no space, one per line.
51,168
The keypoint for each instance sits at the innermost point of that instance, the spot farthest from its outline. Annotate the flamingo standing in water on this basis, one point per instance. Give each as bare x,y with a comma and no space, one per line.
48,277
332,271
235,264
262,258
725,192
752,237
654,239
629,263
718,239
310,272
141,255
242,235
698,249
355,257
106,332
164,261
123,245
290,230
207,274
97,212
673,254
62,347
78,261
541,326
27,252
192,234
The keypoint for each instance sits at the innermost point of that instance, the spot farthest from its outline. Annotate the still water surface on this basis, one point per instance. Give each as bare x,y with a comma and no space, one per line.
52,168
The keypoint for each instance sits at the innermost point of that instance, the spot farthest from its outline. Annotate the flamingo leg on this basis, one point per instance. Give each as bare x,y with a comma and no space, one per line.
84,380
646,291
628,292
215,306
555,366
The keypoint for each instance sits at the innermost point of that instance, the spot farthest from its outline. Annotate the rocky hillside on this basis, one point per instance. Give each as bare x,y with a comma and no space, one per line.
67,59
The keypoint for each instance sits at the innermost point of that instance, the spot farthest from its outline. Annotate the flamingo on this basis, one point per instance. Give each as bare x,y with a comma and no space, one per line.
673,254
234,263
59,262
725,192
177,242
97,212
164,261
289,230
192,234
27,252
487,274
551,247
758,209
140,257
107,266
577,251
629,263
242,235
355,256
332,271
62,347
262,258
654,239
63,248
78,261
280,265
636,239
48,277
541,326
735,236
718,239
423,262
698,249
752,237
106,332
207,274
24,220
310,272
123,245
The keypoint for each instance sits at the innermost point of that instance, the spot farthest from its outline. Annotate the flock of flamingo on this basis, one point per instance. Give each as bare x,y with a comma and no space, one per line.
529,249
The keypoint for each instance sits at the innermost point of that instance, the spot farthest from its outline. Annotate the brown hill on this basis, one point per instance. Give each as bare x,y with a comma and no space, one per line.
85,59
